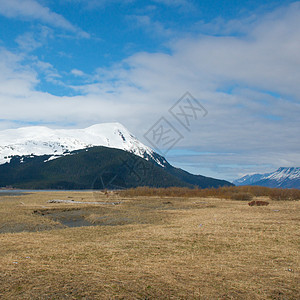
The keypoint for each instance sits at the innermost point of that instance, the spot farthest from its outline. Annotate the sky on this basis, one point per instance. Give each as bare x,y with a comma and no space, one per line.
146,64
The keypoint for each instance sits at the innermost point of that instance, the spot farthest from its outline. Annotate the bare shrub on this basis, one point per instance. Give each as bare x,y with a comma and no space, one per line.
245,193
284,194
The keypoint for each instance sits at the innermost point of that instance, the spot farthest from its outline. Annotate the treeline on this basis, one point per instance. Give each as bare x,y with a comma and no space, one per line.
230,192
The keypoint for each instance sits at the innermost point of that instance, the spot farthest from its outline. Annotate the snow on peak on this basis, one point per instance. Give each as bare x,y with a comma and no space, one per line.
284,173
40,140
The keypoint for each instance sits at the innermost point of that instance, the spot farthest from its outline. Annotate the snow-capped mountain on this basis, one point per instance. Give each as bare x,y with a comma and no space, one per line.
249,179
39,140
44,158
281,178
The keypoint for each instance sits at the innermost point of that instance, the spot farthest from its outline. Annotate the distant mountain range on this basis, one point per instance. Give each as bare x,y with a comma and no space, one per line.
281,178
103,156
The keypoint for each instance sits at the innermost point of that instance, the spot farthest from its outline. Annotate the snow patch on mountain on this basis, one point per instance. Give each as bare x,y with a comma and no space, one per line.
40,140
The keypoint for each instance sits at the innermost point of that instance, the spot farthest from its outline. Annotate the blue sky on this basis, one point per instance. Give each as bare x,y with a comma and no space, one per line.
74,63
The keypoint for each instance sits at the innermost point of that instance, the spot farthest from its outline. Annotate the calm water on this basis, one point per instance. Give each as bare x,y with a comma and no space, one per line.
23,192
12,192
33,191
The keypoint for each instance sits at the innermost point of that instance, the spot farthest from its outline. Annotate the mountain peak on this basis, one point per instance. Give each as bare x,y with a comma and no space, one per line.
40,140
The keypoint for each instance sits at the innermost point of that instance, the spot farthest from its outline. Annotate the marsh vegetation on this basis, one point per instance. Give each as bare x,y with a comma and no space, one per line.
155,246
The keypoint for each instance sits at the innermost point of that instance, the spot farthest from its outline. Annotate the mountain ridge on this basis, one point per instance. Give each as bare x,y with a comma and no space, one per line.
283,177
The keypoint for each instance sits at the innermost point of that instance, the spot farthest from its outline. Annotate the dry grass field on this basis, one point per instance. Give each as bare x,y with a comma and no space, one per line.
147,247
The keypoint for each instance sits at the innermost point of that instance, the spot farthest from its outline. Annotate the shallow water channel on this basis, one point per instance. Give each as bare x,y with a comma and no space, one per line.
69,218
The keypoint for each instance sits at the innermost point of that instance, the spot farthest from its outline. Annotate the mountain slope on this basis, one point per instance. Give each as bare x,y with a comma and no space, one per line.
196,180
96,168
281,178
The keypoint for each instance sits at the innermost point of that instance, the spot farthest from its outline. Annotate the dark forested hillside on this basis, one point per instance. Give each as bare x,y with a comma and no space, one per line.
96,168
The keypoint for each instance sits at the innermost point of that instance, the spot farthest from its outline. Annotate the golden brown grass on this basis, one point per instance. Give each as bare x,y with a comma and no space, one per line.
167,248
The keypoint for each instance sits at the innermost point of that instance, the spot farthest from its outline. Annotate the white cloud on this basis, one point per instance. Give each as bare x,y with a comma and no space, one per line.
33,10
92,4
249,84
15,80
176,3
30,41
77,72
152,27
27,42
